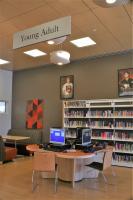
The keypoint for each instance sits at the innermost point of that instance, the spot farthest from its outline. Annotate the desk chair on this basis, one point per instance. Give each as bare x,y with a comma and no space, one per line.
6,153
66,164
43,162
31,148
107,162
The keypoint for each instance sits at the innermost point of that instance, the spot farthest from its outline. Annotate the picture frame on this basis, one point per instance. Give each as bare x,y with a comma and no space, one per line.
2,106
67,87
125,82
34,114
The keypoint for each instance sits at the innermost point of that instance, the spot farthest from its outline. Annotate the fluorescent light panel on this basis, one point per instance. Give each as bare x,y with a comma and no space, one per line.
110,1
3,61
35,53
83,42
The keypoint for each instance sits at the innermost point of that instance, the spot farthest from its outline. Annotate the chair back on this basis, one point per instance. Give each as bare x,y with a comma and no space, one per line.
2,149
44,161
107,159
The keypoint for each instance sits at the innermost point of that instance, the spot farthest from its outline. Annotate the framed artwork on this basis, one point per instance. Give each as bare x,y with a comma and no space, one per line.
2,106
34,114
67,87
125,82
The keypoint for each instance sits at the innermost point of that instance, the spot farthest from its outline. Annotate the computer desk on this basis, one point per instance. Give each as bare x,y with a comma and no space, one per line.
71,166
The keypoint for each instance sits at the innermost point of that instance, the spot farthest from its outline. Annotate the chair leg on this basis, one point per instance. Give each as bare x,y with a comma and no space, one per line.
113,172
56,178
34,182
73,183
104,177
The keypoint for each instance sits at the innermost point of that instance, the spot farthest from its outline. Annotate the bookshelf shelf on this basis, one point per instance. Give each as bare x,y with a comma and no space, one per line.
96,127
123,140
111,120
99,138
122,164
112,139
121,151
99,117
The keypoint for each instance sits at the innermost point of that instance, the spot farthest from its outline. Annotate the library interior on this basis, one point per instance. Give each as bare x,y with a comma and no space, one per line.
66,99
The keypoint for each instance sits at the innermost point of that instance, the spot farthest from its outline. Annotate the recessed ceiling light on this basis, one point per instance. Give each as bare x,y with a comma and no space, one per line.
3,61
57,40
82,42
59,63
110,1
50,42
35,53
63,54
60,57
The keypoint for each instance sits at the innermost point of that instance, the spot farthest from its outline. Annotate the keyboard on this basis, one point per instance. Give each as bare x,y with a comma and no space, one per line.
70,150
54,149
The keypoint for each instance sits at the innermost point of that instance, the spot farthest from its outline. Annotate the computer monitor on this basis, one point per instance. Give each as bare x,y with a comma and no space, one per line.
57,136
84,136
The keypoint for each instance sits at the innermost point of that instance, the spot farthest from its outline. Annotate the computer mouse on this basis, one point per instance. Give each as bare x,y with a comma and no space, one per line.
65,151
86,151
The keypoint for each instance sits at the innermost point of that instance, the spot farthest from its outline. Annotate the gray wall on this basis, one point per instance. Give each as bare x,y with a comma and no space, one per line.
93,79
6,95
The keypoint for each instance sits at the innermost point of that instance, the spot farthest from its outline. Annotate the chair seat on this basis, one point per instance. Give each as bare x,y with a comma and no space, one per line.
32,148
10,153
96,165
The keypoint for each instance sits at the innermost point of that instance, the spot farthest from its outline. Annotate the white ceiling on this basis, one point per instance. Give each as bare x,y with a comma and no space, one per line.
111,28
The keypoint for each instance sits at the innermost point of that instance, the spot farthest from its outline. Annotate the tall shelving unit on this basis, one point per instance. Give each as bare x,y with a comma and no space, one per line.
111,120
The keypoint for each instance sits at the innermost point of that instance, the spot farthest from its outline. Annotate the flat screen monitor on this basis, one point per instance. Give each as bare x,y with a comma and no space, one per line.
84,136
2,106
57,136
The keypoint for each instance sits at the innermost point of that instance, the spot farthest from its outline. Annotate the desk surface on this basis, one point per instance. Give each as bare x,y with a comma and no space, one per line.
15,138
74,155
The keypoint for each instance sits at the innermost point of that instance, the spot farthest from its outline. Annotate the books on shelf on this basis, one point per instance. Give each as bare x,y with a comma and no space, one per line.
128,147
109,119
123,113
102,134
124,124
122,157
123,135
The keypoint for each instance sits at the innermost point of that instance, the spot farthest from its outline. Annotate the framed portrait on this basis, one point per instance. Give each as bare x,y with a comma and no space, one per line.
125,82
67,87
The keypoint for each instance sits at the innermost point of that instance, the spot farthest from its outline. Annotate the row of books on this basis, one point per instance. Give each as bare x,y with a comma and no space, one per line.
97,113
124,124
110,135
103,135
77,113
123,135
123,113
100,124
100,113
124,147
77,123
86,123
75,104
122,158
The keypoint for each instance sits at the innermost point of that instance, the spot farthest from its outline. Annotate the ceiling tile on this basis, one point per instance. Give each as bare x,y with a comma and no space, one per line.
117,22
